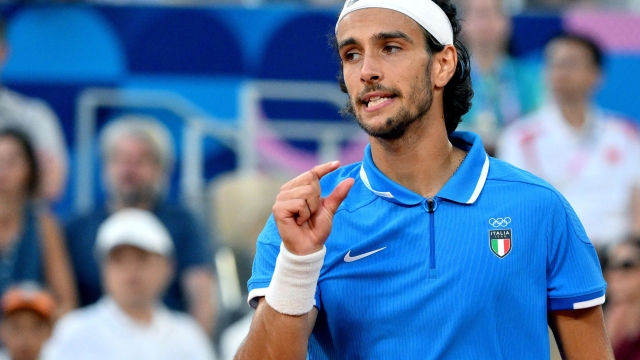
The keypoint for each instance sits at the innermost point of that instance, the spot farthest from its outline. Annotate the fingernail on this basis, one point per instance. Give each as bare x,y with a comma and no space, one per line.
334,163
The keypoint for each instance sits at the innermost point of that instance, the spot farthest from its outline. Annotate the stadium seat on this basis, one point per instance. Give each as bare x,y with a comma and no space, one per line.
184,42
306,54
62,43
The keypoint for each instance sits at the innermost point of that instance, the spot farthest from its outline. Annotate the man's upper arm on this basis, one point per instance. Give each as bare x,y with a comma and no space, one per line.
574,277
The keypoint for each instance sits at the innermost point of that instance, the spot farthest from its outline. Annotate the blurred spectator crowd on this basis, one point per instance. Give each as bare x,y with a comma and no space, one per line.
512,6
140,276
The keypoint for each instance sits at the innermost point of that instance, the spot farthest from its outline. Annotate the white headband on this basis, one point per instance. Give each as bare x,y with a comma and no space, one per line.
425,12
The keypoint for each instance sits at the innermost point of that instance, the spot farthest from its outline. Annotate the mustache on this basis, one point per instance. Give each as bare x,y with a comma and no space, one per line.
377,87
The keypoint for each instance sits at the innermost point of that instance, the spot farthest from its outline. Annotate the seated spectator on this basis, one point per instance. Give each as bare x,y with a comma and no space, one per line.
622,314
27,320
135,252
31,244
591,156
233,336
505,88
39,122
137,161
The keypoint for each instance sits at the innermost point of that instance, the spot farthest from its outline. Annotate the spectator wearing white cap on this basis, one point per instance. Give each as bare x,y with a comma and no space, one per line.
135,253
138,159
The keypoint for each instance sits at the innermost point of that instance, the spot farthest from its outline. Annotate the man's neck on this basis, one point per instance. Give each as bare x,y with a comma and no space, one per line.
574,112
421,161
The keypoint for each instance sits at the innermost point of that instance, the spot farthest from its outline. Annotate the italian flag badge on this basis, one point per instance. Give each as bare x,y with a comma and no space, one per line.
500,242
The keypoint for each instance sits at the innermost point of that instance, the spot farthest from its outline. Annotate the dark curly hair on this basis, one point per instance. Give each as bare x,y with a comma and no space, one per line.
458,92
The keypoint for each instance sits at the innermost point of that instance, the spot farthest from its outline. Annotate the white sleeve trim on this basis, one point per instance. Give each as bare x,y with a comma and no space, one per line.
589,303
254,294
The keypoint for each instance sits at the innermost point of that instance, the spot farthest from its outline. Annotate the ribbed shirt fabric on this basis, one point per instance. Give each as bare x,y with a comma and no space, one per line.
438,289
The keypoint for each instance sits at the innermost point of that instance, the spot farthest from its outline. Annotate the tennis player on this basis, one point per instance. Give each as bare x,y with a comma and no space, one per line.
428,248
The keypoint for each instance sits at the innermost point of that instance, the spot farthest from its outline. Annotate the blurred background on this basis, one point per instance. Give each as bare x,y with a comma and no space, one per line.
227,79
247,91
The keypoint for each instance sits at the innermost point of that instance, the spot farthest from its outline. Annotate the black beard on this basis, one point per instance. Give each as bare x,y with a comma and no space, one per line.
396,126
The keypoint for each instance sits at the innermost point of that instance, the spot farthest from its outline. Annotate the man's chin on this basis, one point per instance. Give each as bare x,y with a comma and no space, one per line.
386,131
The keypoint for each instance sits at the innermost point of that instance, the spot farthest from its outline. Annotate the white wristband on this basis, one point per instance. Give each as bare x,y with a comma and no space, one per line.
293,285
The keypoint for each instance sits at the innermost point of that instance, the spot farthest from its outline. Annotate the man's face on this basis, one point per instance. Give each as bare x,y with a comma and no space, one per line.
135,278
571,71
23,333
485,25
133,170
386,70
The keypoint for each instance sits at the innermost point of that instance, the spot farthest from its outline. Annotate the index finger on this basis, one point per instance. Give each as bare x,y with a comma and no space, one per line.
324,169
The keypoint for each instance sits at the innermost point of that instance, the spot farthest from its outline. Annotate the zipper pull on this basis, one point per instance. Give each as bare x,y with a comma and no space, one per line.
431,204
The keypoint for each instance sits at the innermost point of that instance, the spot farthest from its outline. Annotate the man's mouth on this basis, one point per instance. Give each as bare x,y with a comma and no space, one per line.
377,100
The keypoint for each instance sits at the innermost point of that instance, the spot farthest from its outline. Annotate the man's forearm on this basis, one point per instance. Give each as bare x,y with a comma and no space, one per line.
275,336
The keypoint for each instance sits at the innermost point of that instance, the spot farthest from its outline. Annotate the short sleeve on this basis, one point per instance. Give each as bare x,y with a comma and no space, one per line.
574,276
264,263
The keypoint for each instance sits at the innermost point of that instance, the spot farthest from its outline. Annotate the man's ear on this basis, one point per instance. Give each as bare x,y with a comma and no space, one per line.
444,65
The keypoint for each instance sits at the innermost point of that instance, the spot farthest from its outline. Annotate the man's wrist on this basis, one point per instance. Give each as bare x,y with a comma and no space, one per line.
293,285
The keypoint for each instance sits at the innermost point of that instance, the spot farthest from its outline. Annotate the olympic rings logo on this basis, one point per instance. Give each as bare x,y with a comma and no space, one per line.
500,222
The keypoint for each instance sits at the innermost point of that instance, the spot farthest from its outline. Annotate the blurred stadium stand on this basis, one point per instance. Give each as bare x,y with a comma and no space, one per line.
216,75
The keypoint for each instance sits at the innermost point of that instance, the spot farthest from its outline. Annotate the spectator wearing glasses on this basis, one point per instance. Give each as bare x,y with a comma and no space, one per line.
622,316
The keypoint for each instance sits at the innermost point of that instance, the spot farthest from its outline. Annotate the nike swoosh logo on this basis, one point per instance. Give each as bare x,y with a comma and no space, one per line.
349,258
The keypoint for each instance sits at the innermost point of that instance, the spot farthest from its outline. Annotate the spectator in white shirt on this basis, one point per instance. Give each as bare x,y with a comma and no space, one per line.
129,322
590,155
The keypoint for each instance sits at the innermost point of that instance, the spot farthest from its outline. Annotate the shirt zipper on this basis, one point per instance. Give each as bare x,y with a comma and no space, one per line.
431,209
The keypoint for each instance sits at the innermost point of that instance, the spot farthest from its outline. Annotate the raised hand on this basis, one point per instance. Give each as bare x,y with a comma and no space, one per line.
304,219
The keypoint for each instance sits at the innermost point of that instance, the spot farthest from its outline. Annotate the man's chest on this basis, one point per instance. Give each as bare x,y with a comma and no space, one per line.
431,265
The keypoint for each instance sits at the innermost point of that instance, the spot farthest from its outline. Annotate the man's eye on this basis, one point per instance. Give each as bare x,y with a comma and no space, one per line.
391,49
351,56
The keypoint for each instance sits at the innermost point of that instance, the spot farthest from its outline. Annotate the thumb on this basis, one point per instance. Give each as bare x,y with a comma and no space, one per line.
333,201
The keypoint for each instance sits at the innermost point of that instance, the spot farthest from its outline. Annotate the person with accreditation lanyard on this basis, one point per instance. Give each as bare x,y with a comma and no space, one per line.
428,248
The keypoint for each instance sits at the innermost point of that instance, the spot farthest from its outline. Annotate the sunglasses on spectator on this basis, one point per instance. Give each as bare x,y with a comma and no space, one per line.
624,265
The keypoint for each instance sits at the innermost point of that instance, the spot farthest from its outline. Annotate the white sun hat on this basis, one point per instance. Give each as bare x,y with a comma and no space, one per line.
135,227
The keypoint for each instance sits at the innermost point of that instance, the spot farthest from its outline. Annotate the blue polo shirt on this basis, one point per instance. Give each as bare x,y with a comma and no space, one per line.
468,274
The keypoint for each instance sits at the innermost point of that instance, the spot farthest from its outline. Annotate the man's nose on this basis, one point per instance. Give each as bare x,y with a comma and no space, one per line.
371,71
